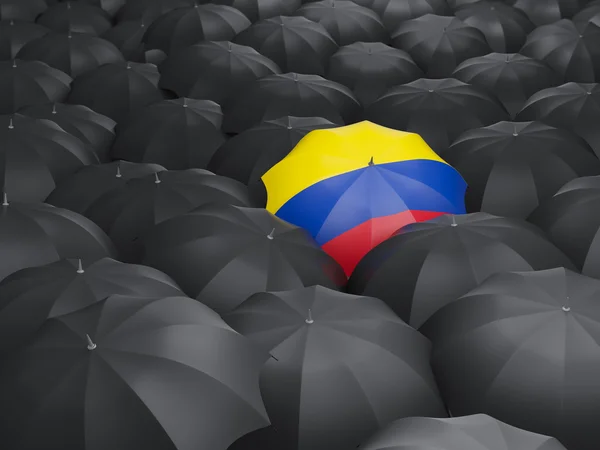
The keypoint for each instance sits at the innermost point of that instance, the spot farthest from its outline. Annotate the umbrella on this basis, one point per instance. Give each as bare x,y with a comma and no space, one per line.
352,187
438,110
438,43
549,11
14,35
345,21
504,27
207,248
571,50
592,182
35,155
217,71
75,17
512,78
512,167
73,53
26,10
455,5
428,265
591,13
256,10
177,134
111,7
291,94
394,12
128,38
32,234
342,366
295,44
24,83
571,222
149,9
117,90
127,212
187,26
30,297
475,432
80,121
572,106
155,373
80,190
522,347
371,68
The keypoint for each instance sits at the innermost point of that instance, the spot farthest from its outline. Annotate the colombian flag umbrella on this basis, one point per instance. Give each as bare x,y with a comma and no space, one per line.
352,187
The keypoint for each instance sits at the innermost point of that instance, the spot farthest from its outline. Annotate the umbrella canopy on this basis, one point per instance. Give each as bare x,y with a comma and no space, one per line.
394,12
15,34
295,44
155,373
117,90
476,432
128,38
111,7
345,21
217,71
207,248
75,17
256,10
371,68
127,212
591,13
572,106
570,220
29,297
571,50
550,11
26,10
512,78
592,182
149,9
352,187
522,347
428,265
292,94
177,134
32,234
25,83
36,155
318,392
82,189
73,53
438,43
504,27
437,110
512,167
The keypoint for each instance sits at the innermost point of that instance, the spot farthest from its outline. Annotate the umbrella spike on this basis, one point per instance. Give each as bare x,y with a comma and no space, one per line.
14,63
229,47
185,105
309,319
567,306
53,108
453,224
69,35
5,199
371,162
271,235
80,266
12,22
91,345
156,179
118,174
128,65
10,124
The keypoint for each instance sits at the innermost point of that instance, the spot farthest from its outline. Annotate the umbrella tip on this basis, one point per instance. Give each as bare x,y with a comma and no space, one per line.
566,308
118,174
128,65
14,63
309,319
69,35
91,345
371,162
10,124
79,266
271,234
54,108
295,76
229,47
4,199
185,105
12,21
453,224
156,179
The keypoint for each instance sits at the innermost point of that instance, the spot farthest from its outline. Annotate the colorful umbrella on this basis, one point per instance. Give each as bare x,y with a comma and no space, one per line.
351,187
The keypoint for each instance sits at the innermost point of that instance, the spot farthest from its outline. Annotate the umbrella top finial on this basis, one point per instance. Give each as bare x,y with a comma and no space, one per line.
80,266
156,179
295,76
12,21
309,319
271,235
118,174
566,308
453,224
68,5
91,345
430,90
69,35
128,65
589,92
14,63
229,47
53,108
4,199
185,105
10,124
371,162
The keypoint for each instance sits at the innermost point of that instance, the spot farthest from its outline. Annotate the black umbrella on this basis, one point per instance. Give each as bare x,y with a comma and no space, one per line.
32,234
35,155
90,127
394,12
111,7
476,432
80,190
512,167
591,13
522,347
256,10
128,37
345,21
31,296
571,50
571,221
512,78
177,134
549,11
455,5
73,53
117,90
14,35
218,71
146,373
430,264
187,26
24,83
438,43
26,10
342,366
75,17
438,110
292,94
127,213
295,44
592,182
371,68
504,27
572,106
150,10
209,247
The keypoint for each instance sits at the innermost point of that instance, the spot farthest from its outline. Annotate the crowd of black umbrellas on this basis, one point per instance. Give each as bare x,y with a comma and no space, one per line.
148,300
